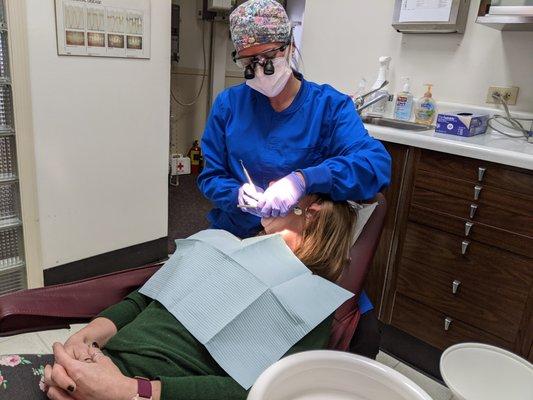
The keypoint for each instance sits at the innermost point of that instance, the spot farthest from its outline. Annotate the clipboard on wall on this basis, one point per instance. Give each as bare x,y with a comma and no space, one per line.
430,16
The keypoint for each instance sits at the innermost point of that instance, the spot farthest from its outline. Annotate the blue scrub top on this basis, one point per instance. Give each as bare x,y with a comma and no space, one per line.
319,134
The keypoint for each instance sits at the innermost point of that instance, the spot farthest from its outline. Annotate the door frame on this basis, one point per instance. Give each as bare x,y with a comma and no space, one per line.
16,16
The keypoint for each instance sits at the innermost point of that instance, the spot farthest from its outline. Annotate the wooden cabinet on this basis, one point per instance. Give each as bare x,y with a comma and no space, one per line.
484,288
459,263
374,286
436,327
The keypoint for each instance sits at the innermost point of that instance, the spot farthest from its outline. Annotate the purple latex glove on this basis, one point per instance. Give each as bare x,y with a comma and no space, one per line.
282,196
250,195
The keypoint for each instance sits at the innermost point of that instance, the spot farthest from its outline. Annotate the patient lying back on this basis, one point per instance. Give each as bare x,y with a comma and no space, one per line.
140,337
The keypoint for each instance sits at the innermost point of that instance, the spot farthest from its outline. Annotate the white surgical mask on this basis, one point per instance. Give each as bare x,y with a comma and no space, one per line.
271,85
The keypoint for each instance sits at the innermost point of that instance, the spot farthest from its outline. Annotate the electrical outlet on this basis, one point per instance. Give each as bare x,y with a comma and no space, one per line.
509,94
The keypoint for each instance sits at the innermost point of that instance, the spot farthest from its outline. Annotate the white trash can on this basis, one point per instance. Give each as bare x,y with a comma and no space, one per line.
475,371
333,375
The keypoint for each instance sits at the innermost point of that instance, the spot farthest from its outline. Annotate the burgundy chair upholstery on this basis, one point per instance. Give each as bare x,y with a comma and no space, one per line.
58,306
353,277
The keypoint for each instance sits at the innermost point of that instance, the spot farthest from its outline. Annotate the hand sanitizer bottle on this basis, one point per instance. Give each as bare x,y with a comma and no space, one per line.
426,109
403,107
380,107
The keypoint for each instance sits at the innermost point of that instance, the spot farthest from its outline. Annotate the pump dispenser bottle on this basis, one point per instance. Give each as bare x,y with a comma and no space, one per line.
403,107
380,107
426,109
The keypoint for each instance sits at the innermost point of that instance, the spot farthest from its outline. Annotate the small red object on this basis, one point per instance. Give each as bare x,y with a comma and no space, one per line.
144,389
195,154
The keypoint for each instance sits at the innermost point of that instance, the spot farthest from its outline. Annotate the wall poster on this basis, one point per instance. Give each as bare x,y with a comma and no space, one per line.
103,28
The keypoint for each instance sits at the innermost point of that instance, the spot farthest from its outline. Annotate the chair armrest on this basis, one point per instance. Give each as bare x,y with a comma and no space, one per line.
58,306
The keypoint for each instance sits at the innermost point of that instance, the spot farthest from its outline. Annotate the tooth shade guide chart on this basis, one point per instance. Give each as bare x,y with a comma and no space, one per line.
103,28
95,39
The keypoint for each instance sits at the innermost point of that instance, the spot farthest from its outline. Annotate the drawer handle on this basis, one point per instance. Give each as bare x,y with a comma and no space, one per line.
455,286
480,173
464,246
447,322
477,191
473,209
468,227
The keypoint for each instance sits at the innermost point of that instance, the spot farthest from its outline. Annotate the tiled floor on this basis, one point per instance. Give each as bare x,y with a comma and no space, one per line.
36,343
41,343
432,387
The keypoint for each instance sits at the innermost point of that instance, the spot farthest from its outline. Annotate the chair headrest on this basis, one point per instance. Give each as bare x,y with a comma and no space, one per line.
364,212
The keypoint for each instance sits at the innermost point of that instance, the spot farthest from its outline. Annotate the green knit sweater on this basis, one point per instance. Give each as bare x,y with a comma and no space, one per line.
151,343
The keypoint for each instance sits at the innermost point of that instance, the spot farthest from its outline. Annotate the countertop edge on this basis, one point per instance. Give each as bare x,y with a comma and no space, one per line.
496,155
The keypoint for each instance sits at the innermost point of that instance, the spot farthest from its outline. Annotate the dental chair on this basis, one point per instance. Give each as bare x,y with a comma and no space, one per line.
58,306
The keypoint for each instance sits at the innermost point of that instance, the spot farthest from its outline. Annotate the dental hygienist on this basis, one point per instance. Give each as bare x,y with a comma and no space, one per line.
305,137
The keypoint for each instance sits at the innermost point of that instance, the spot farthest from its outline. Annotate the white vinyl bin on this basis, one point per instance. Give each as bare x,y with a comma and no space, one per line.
475,371
333,375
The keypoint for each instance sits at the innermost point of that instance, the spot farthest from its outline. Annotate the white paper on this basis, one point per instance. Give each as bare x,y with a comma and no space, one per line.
425,10
511,10
247,302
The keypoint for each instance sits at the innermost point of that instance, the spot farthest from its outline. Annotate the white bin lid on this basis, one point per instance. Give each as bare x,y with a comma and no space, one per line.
475,371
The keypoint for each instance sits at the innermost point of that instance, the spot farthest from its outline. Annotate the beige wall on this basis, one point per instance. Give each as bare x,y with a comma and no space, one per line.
188,123
100,129
343,39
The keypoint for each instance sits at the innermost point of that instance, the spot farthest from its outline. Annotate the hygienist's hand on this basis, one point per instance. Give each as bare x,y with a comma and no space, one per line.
282,196
97,380
249,196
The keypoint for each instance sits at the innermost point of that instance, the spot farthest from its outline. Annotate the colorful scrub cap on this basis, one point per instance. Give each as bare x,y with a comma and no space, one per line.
259,22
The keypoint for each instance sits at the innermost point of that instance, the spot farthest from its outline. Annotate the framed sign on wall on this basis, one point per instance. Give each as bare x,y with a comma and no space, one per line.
103,28
430,16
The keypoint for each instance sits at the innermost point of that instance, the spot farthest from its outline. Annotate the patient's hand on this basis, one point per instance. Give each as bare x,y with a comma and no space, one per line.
77,347
98,380
97,332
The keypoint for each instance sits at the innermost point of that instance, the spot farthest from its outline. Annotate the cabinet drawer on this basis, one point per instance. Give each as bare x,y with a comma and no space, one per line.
493,284
470,169
473,230
428,325
505,210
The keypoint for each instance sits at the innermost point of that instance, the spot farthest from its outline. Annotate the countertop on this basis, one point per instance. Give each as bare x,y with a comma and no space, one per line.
490,146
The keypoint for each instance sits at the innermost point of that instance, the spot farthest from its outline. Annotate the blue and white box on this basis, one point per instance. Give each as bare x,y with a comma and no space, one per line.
462,123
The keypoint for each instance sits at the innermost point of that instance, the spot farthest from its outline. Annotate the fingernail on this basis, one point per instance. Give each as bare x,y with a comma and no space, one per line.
70,388
96,345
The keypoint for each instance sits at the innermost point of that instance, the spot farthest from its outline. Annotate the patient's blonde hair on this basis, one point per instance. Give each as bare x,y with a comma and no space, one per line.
327,237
